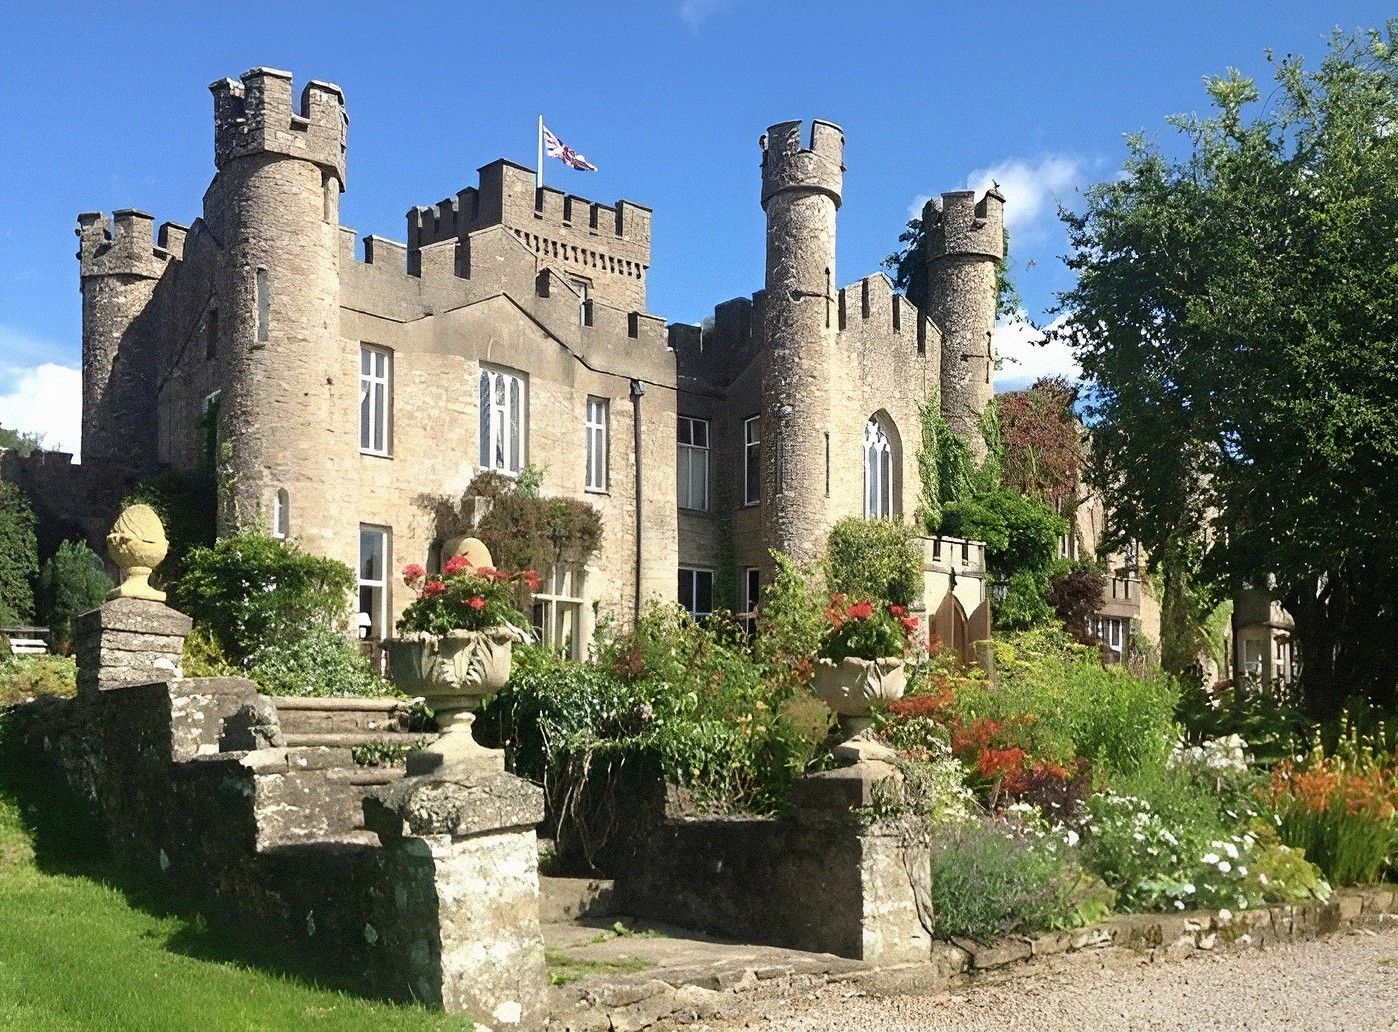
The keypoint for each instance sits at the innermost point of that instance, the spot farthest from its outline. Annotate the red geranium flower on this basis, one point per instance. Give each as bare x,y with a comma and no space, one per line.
860,611
531,580
456,564
909,623
412,573
897,610
476,602
433,587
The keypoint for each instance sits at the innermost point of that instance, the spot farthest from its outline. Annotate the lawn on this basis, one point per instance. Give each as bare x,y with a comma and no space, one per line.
85,946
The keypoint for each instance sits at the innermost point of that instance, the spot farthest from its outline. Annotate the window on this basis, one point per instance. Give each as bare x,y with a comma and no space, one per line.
878,471
596,444
692,471
752,594
1111,632
1068,545
264,306
557,611
752,461
211,335
375,379
373,581
697,591
281,513
502,420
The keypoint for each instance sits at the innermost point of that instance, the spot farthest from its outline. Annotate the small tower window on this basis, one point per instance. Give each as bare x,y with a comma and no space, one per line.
281,514
264,306
878,471
211,335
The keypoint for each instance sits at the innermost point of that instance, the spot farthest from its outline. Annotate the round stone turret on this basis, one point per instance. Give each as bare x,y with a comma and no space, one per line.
801,192
965,243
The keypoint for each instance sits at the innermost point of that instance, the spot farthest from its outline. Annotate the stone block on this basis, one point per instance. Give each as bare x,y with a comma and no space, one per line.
843,789
988,956
455,803
128,641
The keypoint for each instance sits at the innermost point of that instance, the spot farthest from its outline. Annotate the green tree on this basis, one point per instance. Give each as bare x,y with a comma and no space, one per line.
72,581
19,556
1236,319
20,441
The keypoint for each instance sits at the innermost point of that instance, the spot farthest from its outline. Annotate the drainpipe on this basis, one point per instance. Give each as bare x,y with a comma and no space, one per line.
637,390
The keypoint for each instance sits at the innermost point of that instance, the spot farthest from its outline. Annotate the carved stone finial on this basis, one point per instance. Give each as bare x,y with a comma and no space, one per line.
137,544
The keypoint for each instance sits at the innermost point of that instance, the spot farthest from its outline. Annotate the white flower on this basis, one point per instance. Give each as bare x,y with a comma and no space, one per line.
1179,904
1262,878
1224,866
1242,871
1138,836
1209,858
1225,914
1189,889
1071,838
1231,850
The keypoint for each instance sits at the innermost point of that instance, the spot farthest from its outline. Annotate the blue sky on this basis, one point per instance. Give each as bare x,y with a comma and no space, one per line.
104,109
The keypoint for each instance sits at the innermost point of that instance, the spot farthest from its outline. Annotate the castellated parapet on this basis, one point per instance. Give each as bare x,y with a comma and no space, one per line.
965,244
801,192
253,115
604,248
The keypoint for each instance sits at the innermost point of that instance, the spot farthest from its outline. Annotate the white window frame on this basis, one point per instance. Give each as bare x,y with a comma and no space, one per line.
504,407
375,400
377,620
595,430
693,462
752,460
694,574
878,471
557,611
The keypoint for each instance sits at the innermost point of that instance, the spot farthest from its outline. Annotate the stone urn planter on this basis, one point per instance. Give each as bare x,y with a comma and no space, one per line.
849,686
453,672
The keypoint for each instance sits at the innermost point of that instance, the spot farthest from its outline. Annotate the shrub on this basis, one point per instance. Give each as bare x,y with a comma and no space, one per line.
875,559
1266,716
27,677
1076,596
203,657
1021,538
187,503
251,591
790,625
19,556
990,878
319,662
71,582
866,630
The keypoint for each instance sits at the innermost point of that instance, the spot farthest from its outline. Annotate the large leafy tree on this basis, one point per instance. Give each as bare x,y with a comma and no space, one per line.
1236,319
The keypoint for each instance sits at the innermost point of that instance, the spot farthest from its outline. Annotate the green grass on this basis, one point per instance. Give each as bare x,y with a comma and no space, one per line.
565,968
84,946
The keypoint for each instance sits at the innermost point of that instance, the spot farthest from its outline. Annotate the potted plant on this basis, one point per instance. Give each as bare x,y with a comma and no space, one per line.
861,658
454,647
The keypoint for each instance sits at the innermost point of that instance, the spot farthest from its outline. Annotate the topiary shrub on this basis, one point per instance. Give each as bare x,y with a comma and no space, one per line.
874,559
251,591
71,582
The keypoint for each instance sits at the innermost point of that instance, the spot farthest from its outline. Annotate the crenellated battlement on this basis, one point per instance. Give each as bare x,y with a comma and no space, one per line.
254,115
957,223
788,165
608,246
129,249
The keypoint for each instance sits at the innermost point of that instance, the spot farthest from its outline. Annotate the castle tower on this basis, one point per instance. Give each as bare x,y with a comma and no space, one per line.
287,413
965,244
801,192
119,272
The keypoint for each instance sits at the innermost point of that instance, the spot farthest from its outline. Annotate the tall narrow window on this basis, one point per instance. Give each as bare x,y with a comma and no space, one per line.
697,591
373,580
752,461
878,471
596,431
264,305
281,513
752,593
375,383
692,470
211,334
502,420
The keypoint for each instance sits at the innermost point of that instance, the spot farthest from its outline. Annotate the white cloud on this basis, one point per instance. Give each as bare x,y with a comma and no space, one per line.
695,13
46,399
1026,357
1032,189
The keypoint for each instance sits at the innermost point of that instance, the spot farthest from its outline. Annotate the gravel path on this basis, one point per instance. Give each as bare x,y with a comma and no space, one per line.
1347,982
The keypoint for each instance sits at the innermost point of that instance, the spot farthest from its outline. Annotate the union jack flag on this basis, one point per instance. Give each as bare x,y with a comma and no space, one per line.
556,148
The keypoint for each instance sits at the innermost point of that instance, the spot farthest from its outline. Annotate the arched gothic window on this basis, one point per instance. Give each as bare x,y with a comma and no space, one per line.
878,470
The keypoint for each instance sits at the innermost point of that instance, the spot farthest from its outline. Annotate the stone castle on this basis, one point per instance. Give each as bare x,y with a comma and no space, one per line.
511,330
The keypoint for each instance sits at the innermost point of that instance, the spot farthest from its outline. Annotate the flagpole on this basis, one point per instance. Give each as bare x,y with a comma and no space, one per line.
539,175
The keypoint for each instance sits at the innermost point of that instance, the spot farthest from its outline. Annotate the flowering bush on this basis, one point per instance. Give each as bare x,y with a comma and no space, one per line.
463,598
1342,809
863,629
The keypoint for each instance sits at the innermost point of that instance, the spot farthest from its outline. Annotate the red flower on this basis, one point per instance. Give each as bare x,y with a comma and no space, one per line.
896,610
531,580
456,564
476,602
433,587
491,573
860,611
412,573
909,623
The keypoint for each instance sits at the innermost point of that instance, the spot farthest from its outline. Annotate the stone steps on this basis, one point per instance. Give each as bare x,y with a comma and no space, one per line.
372,777
350,739
340,715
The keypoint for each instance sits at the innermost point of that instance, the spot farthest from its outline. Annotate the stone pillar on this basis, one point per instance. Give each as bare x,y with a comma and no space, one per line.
460,918
890,897
129,641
